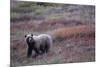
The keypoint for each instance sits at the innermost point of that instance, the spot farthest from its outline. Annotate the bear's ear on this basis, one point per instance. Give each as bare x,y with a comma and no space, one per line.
25,36
31,34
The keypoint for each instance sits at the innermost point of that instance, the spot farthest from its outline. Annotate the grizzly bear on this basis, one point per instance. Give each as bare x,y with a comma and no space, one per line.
40,44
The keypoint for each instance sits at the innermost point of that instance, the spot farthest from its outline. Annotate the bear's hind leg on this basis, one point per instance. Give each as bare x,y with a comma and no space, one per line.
42,49
47,48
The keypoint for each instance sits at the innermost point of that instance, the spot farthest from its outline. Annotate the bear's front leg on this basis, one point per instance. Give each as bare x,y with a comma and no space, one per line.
36,53
29,52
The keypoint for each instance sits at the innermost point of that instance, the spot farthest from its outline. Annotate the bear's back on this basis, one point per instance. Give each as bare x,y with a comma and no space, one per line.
43,38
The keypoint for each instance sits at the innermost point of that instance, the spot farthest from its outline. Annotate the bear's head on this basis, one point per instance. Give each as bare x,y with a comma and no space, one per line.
29,39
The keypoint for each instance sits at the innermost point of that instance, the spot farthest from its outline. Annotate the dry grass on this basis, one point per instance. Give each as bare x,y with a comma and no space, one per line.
74,31
64,51
63,21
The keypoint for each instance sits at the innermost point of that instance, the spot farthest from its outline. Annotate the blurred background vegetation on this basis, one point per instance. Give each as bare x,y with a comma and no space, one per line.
24,11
